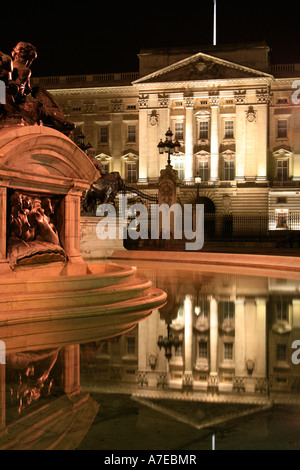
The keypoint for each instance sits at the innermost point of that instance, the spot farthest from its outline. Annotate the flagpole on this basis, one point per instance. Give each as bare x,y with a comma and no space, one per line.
215,23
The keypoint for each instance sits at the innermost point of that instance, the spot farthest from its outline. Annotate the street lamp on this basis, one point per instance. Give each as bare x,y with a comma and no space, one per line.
168,146
168,342
198,182
80,141
87,148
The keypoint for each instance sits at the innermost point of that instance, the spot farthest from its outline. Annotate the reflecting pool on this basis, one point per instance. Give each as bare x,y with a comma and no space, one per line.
216,360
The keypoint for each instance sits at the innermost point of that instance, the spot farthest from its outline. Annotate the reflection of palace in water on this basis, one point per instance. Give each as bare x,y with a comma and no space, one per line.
221,338
232,338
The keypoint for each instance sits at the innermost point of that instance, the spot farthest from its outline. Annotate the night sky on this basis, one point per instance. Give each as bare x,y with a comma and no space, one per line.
90,37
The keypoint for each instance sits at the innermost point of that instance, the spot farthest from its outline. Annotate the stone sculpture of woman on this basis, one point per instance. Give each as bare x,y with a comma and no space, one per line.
23,55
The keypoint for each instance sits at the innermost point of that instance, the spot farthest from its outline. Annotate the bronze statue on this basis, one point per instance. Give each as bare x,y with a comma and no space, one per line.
103,191
24,104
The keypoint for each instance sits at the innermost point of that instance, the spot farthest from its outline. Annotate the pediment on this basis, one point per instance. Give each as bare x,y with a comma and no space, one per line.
282,151
203,156
202,67
102,157
130,155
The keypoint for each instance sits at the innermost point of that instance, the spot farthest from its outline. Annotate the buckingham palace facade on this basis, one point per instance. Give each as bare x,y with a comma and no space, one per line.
235,115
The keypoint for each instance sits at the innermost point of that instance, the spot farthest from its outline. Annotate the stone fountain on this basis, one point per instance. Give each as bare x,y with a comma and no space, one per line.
49,296
43,175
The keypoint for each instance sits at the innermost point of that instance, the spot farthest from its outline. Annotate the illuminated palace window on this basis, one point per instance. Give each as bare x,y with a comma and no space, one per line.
203,131
179,130
104,134
203,171
130,345
228,351
226,310
178,351
131,172
282,310
131,133
203,349
281,352
282,170
179,166
282,131
229,170
229,130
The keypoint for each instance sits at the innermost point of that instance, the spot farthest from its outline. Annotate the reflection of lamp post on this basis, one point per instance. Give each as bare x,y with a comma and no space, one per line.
250,366
168,342
168,146
197,310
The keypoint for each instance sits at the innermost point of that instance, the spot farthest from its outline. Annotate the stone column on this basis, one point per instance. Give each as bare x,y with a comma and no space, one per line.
261,339
213,380
189,139
143,138
263,100
239,359
240,138
188,341
70,234
153,133
2,397
116,141
3,223
214,138
71,366
164,124
213,337
250,341
4,266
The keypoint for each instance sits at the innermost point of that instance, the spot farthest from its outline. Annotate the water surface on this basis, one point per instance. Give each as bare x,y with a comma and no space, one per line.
229,372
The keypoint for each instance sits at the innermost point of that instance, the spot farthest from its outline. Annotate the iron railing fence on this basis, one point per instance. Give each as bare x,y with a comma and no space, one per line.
244,226
258,227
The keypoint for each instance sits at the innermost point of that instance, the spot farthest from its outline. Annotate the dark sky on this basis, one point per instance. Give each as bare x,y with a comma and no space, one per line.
90,37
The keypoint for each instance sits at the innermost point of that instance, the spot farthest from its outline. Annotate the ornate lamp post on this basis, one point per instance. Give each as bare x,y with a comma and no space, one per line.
168,146
87,148
168,342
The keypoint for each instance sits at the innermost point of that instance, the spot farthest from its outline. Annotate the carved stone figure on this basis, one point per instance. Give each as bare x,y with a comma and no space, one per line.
6,67
26,105
23,55
103,191
30,376
30,230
